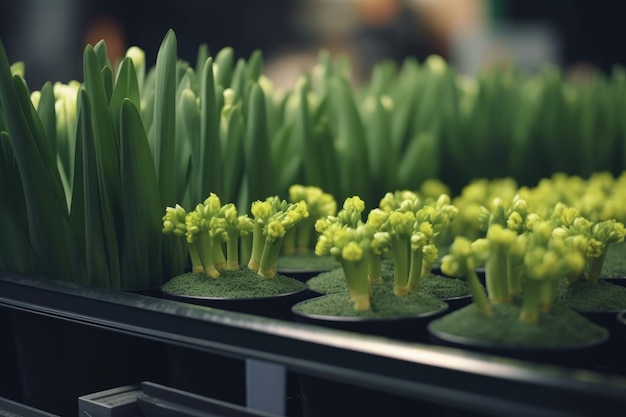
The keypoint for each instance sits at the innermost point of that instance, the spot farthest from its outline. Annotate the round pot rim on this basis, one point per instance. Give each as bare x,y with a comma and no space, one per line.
348,319
464,340
213,298
286,271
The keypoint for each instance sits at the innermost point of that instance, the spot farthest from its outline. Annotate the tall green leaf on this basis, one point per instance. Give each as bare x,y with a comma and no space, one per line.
164,144
54,251
141,244
259,167
210,150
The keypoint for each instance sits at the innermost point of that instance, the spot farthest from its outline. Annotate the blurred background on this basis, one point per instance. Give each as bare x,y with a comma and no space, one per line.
49,35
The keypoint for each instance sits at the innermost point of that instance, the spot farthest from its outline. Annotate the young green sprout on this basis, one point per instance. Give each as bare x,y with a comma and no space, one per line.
410,230
230,225
441,216
278,218
261,212
506,247
319,204
205,229
462,260
194,228
593,238
350,243
548,258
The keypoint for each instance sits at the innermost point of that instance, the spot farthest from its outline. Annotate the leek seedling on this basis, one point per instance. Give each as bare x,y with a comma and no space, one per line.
462,260
205,229
319,204
349,240
276,226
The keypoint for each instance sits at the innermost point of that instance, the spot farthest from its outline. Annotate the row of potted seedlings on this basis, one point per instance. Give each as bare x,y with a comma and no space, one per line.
92,165
535,260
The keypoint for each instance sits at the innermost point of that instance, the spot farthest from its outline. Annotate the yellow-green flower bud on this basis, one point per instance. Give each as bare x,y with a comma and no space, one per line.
352,252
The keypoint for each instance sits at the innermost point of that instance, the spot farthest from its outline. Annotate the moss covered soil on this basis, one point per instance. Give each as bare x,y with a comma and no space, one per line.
441,287
615,262
384,305
306,262
589,297
242,283
560,328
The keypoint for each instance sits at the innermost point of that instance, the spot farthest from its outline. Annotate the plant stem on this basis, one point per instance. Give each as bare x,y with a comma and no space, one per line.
271,250
358,283
478,294
401,269
196,262
258,242
415,272
375,269
496,277
594,266
531,303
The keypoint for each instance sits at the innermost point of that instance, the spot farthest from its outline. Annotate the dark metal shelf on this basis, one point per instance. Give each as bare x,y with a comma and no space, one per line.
464,380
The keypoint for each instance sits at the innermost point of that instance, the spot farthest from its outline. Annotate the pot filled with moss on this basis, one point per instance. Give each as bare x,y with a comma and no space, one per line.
431,223
217,278
372,304
525,258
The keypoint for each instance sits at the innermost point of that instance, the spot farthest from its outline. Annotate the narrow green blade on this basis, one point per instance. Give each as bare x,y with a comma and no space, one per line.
142,241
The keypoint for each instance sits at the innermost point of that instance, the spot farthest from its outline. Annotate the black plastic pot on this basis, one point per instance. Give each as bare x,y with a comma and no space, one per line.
276,306
407,328
576,355
504,336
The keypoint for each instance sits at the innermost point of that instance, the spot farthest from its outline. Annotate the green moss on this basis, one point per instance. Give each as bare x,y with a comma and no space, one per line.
561,327
585,296
329,282
243,283
615,262
307,262
334,281
444,287
384,305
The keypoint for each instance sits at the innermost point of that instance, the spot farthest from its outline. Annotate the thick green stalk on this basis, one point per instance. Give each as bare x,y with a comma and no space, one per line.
594,266
358,283
478,293
271,250
196,260
415,271
531,304
375,269
232,251
514,279
496,276
206,252
258,243
547,294
400,254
